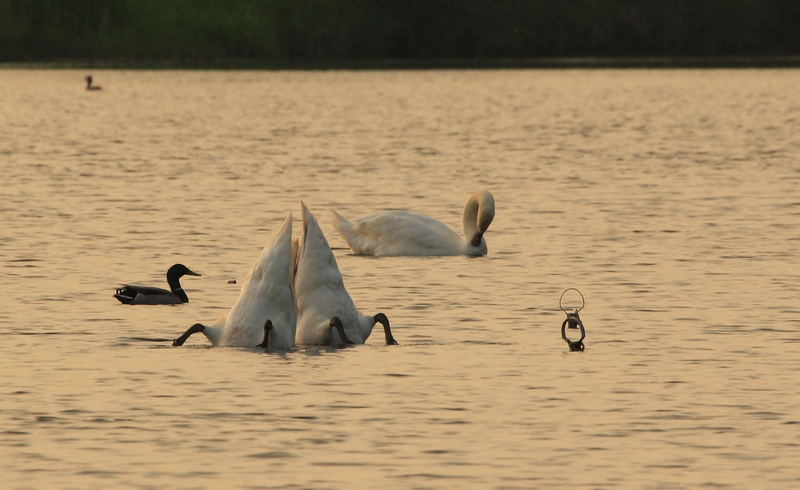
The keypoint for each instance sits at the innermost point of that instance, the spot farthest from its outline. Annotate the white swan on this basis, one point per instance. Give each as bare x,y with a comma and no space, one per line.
404,233
264,314
325,312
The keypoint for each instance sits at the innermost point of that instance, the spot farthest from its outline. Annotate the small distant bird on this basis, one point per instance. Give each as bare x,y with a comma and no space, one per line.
145,295
89,85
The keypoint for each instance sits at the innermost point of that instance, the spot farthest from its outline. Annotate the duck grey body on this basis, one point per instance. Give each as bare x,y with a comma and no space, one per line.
130,294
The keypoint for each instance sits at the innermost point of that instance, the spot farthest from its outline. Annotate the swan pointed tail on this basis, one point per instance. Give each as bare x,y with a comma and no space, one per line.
344,227
340,222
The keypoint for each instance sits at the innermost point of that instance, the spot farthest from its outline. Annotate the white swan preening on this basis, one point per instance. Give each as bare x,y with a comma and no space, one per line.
325,312
403,233
264,315
131,294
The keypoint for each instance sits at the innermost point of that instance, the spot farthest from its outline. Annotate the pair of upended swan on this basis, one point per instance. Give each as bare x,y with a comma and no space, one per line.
131,294
399,233
293,294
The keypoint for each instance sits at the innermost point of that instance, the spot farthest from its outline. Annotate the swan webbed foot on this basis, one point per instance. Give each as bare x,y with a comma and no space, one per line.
337,324
387,329
197,327
267,328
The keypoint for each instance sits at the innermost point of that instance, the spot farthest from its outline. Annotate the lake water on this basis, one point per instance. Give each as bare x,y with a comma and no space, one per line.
668,197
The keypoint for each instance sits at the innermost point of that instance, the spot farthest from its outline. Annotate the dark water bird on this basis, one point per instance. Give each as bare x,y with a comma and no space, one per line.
130,294
89,85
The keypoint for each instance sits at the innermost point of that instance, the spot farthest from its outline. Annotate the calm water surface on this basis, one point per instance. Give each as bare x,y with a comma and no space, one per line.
669,198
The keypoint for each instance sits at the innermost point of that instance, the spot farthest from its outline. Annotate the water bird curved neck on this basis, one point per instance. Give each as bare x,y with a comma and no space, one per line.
174,275
478,215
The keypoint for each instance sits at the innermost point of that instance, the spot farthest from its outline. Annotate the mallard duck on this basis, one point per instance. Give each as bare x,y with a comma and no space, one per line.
130,294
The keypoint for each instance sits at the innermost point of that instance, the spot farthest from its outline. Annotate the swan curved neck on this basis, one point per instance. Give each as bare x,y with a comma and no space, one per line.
470,217
478,215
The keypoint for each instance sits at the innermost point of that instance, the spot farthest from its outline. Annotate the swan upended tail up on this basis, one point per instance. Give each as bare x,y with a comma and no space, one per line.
325,312
403,233
131,294
264,314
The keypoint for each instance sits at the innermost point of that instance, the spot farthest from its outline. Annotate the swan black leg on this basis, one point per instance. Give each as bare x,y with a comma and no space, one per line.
267,329
197,327
387,330
337,324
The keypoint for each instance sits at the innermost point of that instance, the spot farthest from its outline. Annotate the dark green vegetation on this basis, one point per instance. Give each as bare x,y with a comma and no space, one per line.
286,32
